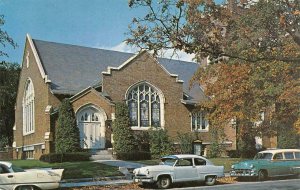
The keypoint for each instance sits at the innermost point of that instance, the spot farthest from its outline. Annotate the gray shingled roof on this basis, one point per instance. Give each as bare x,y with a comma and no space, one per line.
73,68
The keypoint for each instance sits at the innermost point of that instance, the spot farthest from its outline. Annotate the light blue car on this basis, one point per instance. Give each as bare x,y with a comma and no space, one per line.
269,163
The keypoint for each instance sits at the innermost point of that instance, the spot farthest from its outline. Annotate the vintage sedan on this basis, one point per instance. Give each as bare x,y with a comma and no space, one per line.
14,178
179,168
269,163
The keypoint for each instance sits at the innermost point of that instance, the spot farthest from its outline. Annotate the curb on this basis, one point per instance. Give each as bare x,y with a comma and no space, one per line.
112,178
95,183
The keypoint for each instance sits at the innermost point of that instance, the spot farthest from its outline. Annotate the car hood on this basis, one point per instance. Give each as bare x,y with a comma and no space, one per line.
156,168
248,164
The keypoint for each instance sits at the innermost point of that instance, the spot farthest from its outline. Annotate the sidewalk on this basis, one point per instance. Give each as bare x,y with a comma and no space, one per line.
94,182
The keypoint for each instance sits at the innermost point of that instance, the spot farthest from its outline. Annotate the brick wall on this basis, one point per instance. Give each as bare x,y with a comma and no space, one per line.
145,68
7,154
43,98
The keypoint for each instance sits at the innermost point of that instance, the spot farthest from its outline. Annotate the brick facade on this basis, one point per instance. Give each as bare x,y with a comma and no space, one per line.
145,68
41,101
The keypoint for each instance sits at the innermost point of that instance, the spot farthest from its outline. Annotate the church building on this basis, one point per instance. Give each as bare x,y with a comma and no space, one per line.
157,91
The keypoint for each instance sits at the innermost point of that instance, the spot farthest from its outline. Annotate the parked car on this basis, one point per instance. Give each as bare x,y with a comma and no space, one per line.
15,178
269,163
179,168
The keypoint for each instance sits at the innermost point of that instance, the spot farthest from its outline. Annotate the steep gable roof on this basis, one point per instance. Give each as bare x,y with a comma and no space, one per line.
73,68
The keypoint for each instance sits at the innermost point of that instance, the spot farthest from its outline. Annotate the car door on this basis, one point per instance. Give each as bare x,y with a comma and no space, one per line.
278,165
202,168
7,179
184,170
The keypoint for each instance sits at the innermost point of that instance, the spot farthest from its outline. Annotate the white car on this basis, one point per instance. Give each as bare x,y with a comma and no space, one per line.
14,178
179,168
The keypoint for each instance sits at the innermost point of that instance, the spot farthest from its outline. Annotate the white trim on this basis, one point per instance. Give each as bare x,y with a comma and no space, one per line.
100,132
28,108
37,144
37,59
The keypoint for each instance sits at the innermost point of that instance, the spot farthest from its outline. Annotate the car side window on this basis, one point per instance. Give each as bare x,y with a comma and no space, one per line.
3,170
278,156
289,155
184,162
297,155
199,162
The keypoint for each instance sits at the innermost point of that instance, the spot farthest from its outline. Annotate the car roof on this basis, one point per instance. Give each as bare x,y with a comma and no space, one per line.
273,151
178,156
8,164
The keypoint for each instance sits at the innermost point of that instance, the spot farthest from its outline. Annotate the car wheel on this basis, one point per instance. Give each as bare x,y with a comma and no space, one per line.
210,180
164,182
262,175
27,187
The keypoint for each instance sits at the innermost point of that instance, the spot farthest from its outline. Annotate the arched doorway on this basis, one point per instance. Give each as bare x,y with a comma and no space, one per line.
91,124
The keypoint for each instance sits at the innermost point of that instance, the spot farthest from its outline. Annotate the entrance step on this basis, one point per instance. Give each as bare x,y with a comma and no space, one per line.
102,155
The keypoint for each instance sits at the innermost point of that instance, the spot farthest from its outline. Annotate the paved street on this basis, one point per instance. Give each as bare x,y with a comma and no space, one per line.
290,184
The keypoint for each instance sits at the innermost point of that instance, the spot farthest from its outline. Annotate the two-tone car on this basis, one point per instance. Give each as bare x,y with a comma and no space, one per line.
179,168
15,178
269,163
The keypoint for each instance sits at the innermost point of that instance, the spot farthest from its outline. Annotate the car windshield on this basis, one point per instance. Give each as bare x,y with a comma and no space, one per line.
168,161
17,169
263,156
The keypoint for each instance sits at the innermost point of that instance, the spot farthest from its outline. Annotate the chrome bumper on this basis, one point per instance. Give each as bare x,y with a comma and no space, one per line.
243,172
143,179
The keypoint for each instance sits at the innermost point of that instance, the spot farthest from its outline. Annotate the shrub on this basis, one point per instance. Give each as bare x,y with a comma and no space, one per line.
65,157
160,144
67,133
185,142
3,142
123,135
134,155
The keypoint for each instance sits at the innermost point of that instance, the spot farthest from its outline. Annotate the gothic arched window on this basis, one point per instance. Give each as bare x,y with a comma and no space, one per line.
28,108
145,106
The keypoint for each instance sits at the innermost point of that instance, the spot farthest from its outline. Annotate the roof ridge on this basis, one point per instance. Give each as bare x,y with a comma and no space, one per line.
81,46
102,49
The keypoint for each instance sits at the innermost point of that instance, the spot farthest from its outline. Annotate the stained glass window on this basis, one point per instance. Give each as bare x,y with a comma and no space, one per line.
144,106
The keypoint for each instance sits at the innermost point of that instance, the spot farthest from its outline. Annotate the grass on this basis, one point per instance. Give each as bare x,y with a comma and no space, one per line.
73,170
226,162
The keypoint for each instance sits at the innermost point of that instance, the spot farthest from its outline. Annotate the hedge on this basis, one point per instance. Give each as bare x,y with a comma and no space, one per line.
65,157
134,156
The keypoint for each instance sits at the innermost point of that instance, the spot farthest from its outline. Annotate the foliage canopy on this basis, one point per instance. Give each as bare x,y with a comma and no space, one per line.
9,79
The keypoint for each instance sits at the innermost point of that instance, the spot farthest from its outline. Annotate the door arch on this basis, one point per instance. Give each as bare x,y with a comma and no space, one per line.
91,124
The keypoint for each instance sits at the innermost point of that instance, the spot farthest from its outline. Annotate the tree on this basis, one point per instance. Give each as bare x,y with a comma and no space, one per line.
265,30
122,134
9,78
160,144
255,50
5,38
67,133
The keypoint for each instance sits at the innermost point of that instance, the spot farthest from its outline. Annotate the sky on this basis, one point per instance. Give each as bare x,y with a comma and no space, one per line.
91,23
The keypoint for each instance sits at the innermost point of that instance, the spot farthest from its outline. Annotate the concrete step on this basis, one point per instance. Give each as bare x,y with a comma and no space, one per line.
102,155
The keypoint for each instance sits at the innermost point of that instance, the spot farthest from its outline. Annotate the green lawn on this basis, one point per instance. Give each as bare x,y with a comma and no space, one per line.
226,162
73,170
